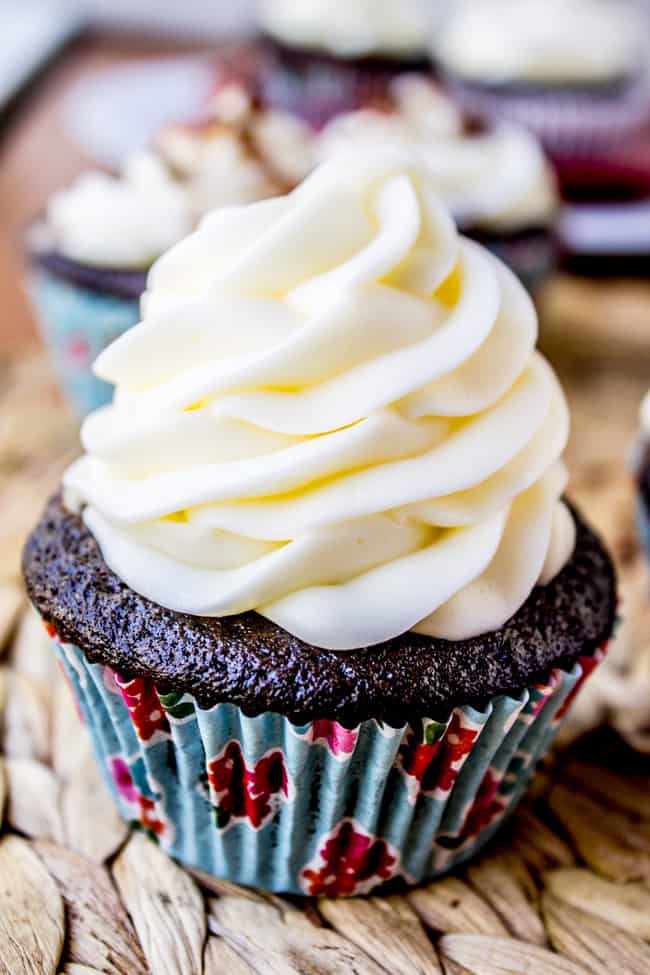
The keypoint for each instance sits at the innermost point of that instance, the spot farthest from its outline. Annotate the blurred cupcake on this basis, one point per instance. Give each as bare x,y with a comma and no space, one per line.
497,181
90,256
604,229
573,71
89,259
332,57
314,582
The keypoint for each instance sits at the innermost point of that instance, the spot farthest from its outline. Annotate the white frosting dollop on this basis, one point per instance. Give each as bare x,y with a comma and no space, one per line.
332,413
239,154
349,28
124,221
550,41
497,180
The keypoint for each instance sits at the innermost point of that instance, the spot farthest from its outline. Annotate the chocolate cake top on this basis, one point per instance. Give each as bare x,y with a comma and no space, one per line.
251,662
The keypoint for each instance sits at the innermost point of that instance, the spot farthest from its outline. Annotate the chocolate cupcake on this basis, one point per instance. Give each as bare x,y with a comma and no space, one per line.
329,58
496,180
573,71
314,582
89,258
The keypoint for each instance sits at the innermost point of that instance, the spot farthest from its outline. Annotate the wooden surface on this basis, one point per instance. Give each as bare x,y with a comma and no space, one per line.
567,887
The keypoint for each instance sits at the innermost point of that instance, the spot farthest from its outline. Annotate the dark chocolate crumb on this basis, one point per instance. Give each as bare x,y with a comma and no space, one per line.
251,662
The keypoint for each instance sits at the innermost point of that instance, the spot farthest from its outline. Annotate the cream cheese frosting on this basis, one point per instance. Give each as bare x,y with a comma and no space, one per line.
332,413
124,221
349,28
542,41
499,179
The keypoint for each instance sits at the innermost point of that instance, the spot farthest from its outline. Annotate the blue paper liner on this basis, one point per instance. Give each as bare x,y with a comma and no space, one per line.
76,324
313,809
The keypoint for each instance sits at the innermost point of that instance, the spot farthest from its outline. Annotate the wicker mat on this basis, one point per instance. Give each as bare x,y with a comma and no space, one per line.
564,891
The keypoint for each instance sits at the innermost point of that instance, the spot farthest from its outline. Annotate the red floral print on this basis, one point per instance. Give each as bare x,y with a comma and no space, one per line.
123,779
147,713
487,806
78,351
588,665
51,632
433,767
539,697
243,793
340,741
145,807
350,862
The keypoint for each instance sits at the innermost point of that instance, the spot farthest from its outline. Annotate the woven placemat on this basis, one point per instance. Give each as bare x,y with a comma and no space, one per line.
564,890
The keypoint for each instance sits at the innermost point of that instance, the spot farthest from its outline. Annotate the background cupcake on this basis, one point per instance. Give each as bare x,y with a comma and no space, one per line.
334,57
496,180
573,71
324,635
89,260
91,254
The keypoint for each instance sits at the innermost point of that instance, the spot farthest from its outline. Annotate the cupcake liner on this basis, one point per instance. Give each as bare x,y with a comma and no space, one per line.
76,324
568,121
313,809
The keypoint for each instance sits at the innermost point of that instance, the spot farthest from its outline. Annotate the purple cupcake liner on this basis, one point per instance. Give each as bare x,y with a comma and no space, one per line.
567,121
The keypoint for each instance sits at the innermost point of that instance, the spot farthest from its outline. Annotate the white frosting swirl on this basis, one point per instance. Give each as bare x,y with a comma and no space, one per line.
332,413
497,180
349,28
124,221
550,41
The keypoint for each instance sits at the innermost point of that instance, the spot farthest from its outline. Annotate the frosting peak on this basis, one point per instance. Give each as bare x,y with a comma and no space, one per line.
332,413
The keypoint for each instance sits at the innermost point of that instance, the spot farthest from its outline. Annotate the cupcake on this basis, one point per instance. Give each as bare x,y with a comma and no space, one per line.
90,256
573,71
314,581
334,57
496,180
88,265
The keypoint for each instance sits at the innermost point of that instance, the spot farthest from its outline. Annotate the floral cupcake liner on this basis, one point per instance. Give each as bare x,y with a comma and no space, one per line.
567,121
314,809
76,324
